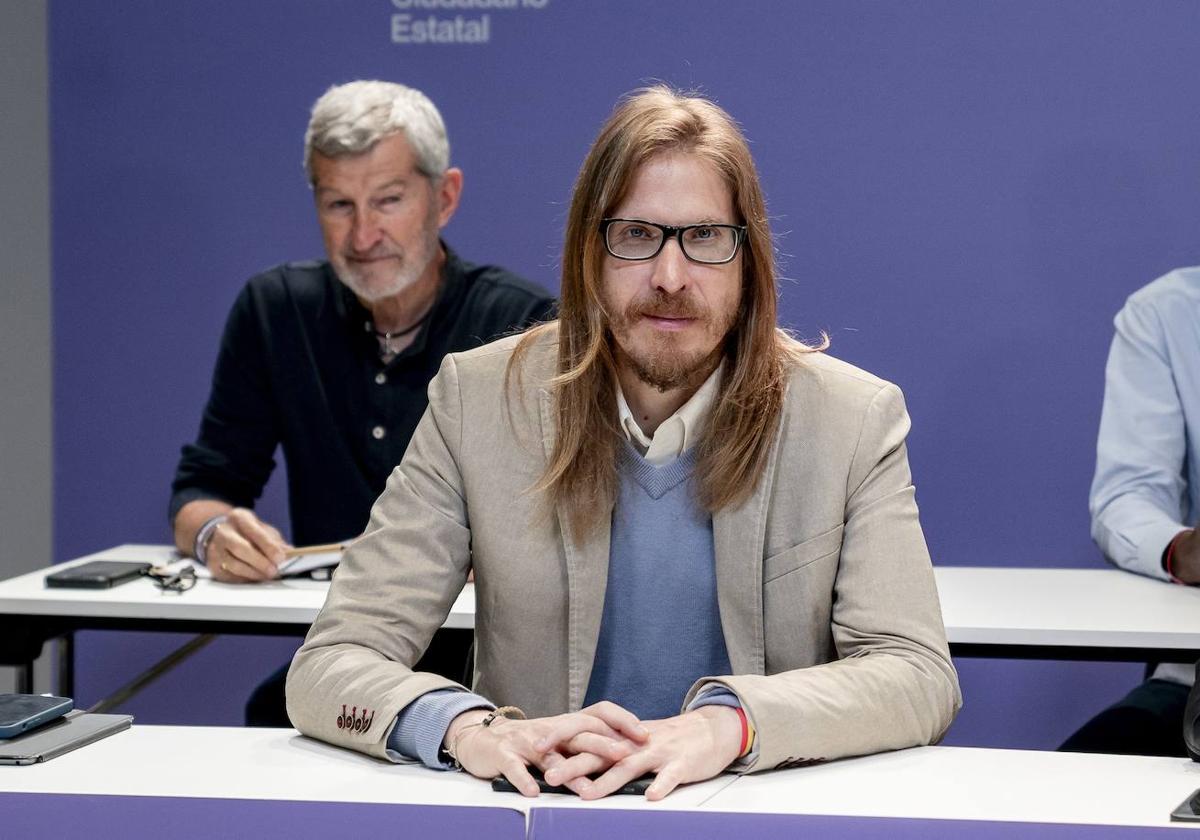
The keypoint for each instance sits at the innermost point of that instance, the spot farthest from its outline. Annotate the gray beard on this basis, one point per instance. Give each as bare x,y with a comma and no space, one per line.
402,279
412,266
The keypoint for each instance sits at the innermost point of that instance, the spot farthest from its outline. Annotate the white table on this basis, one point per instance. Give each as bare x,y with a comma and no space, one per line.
231,762
1102,614
968,783
284,606
30,613
928,783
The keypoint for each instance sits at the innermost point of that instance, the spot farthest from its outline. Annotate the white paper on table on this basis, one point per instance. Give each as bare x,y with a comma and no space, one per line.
289,568
307,562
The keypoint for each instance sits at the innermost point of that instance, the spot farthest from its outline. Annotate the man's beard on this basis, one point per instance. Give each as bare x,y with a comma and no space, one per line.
412,266
371,292
663,365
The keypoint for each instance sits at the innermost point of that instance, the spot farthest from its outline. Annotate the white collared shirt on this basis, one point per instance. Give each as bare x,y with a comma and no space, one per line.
675,434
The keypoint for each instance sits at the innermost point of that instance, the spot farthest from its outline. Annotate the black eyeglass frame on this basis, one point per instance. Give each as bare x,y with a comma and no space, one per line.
675,232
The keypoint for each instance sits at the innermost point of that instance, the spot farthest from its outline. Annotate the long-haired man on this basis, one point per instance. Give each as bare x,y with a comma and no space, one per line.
695,539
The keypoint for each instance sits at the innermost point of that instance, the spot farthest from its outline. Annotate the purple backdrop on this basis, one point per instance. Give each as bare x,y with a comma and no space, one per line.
964,194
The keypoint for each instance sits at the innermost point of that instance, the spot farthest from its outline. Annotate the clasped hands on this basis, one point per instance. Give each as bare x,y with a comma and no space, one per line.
603,739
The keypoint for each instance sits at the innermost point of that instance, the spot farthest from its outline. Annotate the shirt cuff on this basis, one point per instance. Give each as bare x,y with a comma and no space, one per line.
1162,557
191,494
719,695
421,725
1153,545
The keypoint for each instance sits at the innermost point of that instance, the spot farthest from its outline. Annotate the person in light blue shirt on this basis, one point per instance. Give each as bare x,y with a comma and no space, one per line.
1146,492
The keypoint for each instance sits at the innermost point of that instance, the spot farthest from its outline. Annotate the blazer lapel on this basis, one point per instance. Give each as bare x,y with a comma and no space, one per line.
738,536
587,580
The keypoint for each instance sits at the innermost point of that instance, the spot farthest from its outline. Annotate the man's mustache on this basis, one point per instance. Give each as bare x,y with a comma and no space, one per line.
373,255
662,305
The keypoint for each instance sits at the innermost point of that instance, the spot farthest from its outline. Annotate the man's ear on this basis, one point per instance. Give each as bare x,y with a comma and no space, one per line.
449,191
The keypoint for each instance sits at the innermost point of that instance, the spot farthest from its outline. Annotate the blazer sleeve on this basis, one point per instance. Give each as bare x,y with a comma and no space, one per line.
392,591
892,684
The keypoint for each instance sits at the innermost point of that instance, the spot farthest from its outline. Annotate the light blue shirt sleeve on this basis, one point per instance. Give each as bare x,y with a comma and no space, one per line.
719,695
1139,493
421,725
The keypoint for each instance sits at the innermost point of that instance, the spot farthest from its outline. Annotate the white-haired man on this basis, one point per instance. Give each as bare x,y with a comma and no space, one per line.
330,360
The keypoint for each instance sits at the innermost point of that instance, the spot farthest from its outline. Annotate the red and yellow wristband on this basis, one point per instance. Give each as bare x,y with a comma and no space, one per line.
747,732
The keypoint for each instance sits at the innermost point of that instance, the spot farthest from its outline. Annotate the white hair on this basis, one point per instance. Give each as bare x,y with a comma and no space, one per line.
350,119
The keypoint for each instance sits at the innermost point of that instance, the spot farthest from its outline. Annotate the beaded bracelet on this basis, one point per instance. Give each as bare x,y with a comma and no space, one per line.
506,712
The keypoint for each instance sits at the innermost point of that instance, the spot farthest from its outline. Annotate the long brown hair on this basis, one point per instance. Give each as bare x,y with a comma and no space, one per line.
737,438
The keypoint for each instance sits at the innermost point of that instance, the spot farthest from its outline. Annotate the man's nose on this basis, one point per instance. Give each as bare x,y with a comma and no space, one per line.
670,268
366,231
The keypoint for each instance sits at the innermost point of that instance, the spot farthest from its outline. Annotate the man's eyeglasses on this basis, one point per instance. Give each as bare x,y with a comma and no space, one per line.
177,581
637,239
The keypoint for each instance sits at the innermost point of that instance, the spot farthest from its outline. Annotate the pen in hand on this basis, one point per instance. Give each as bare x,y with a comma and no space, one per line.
316,549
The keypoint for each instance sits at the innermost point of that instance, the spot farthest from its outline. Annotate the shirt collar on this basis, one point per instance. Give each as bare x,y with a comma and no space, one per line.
679,431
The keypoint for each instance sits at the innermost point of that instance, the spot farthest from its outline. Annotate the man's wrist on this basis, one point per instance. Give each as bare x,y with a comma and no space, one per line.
459,728
204,536
1179,558
421,725
729,734
471,717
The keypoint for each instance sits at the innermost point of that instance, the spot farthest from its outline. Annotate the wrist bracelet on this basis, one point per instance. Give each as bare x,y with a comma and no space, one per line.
204,536
506,712
748,733
744,747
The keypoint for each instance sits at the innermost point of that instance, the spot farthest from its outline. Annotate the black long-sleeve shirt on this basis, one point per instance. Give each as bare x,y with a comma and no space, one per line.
299,367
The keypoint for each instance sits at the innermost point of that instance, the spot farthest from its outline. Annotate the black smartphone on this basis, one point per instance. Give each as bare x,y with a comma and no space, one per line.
97,574
22,712
635,788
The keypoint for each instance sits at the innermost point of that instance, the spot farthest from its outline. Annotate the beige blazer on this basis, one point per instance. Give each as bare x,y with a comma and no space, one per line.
826,594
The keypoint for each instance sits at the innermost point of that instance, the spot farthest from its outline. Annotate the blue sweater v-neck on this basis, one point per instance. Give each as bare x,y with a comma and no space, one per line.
661,629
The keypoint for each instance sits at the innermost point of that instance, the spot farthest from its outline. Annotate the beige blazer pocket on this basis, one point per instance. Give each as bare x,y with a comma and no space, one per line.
801,554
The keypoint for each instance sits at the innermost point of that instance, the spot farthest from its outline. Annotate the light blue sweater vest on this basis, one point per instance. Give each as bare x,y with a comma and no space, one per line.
661,629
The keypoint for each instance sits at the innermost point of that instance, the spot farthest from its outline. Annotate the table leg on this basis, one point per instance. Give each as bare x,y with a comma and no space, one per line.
66,665
21,639
25,678
151,674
